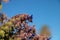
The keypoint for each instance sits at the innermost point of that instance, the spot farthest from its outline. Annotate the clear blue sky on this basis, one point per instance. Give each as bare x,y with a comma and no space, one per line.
44,12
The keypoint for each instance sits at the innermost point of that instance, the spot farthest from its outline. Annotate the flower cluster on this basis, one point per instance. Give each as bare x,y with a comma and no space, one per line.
17,28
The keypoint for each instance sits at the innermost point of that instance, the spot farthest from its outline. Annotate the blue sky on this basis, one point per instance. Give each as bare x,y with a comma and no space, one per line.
43,11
